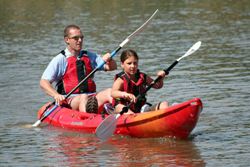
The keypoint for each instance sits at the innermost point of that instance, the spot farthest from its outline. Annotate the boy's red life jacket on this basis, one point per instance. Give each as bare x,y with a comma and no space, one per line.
77,69
135,88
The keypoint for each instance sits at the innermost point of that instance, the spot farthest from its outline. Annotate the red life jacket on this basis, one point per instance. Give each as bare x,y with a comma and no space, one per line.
77,69
134,88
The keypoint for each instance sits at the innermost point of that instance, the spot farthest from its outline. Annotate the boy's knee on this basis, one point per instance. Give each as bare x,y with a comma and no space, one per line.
163,105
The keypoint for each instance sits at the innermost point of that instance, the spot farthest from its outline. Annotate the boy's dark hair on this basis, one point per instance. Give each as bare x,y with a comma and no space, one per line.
128,53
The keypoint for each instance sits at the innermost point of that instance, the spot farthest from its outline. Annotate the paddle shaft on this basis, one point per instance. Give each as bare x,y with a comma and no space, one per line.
92,72
194,48
113,53
137,31
167,70
76,87
108,125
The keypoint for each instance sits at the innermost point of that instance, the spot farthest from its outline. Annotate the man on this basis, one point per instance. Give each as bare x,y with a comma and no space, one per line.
72,65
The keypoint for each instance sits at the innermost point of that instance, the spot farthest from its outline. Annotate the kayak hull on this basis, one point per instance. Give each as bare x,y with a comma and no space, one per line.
176,121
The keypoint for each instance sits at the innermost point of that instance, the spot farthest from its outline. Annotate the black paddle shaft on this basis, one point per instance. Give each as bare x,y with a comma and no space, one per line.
86,78
92,72
125,109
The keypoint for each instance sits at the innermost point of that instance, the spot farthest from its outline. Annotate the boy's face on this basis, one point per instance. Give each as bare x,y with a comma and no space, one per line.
130,65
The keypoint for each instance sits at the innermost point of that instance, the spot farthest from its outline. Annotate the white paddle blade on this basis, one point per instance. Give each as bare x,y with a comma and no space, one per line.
37,123
138,30
194,48
106,129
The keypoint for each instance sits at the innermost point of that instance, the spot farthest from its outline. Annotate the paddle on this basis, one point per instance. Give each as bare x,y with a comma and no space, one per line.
137,31
108,125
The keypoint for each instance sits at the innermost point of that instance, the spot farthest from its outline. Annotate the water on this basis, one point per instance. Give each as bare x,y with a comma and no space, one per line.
218,73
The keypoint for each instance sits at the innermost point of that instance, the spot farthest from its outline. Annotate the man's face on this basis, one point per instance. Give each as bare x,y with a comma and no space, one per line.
74,39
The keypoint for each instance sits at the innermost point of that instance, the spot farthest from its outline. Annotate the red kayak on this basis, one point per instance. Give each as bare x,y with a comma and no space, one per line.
176,121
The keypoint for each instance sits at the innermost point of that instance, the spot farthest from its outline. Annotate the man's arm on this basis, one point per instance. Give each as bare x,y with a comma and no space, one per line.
110,63
47,87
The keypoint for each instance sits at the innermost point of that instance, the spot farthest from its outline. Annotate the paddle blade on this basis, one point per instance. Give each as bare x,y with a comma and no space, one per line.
194,48
106,129
37,123
142,26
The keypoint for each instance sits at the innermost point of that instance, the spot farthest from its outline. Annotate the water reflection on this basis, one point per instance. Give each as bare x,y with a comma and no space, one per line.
31,34
74,149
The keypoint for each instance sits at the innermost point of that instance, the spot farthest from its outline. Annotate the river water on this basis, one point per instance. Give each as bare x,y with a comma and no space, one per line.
218,73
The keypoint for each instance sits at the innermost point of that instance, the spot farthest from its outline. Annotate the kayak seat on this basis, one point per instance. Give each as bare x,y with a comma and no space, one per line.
83,117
